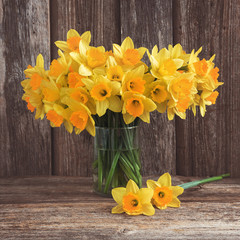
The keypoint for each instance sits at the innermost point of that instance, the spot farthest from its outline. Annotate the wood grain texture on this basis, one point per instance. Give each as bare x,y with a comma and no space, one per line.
149,23
73,155
210,145
25,146
66,208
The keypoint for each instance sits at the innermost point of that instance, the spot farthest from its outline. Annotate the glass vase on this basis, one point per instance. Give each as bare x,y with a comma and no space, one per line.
116,158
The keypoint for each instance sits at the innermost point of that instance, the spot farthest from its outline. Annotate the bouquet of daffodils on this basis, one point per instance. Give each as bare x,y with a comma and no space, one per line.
87,86
86,83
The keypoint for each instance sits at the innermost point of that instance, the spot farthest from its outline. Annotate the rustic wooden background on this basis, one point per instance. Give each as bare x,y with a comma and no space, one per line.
196,146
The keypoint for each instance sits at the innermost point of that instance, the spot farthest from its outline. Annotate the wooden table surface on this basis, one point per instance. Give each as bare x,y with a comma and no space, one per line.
67,208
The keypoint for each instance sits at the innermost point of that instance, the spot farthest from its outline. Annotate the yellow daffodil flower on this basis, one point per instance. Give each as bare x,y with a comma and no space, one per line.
133,81
132,200
182,90
91,60
207,98
32,87
157,91
105,94
177,52
165,195
165,63
34,75
126,55
50,90
114,71
80,116
206,74
81,95
73,40
34,101
137,105
75,80
57,115
59,69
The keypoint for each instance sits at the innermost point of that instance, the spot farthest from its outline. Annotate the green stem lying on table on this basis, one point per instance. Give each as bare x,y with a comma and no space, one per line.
207,180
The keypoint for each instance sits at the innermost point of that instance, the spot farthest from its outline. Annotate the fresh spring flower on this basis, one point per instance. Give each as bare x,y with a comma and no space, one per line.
165,195
132,200
73,40
137,105
126,55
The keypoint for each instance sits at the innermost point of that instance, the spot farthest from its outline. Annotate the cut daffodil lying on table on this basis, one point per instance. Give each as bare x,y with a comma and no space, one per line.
160,193
165,195
132,200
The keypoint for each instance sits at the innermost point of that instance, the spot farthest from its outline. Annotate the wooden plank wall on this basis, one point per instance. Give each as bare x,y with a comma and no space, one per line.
210,145
196,146
25,147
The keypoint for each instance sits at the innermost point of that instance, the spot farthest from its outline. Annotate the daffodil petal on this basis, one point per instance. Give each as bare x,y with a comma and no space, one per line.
90,128
177,51
128,118
72,33
139,71
141,51
171,114
88,82
83,48
154,62
176,190
86,36
76,57
152,184
161,107
101,107
62,45
163,54
165,180
148,209
149,105
115,87
40,61
178,62
84,70
115,104
132,187
127,44
145,117
155,50
174,203
68,126
118,193
117,51
99,71
145,195
118,209
111,61
161,207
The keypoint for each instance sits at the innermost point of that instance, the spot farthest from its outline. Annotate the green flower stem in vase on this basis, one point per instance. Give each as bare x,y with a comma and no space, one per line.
116,153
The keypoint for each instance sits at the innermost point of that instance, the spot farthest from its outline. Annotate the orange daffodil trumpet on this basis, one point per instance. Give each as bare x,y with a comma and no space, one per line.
117,81
135,201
